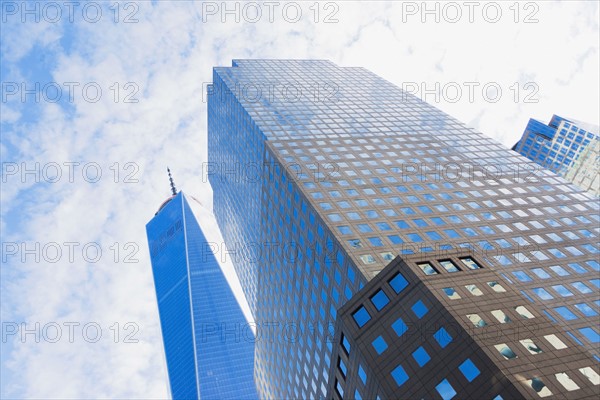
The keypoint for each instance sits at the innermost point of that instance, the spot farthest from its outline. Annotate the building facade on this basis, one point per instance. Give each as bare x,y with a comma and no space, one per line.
209,346
585,170
330,180
565,146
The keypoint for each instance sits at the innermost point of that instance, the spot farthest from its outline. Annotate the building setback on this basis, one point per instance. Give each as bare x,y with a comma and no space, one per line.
389,251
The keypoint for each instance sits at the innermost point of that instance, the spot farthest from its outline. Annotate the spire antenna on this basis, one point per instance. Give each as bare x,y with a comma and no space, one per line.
173,190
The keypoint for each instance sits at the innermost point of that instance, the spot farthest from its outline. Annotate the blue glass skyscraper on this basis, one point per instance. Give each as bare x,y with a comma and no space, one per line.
389,251
208,344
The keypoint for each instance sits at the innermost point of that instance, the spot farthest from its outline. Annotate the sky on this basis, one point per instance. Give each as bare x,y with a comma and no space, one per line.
98,98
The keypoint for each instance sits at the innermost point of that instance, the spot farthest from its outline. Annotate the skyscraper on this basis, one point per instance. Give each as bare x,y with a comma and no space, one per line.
392,252
565,146
208,344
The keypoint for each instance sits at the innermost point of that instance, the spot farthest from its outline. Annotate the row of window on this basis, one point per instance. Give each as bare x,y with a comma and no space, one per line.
543,293
542,256
543,273
568,315
473,290
502,259
431,268
379,300
380,212
468,369
500,316
538,385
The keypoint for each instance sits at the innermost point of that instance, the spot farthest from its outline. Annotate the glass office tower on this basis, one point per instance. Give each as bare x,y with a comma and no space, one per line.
566,146
208,344
389,251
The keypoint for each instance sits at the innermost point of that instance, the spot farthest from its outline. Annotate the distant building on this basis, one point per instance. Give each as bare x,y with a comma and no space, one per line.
209,347
565,146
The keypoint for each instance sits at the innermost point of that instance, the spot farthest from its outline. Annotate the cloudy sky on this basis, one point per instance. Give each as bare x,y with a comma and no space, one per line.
99,97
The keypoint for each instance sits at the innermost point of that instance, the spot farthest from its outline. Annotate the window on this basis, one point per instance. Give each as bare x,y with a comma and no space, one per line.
451,233
399,375
565,313
503,243
367,259
469,370
395,239
361,316
524,312
530,346
345,344
427,268
539,255
399,327
540,273
566,381
419,222
355,243
555,342
577,285
586,310
364,228
433,235
505,351
344,230
563,291
342,367
474,290
476,320
502,259
590,334
335,217
384,226
591,375
362,375
542,293
445,390
560,271
413,237
398,283
402,225
339,389
420,309
522,276
353,216
375,241
496,287
379,344
357,395
442,337
470,263
380,300
421,356
539,386
449,266
451,293
501,316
